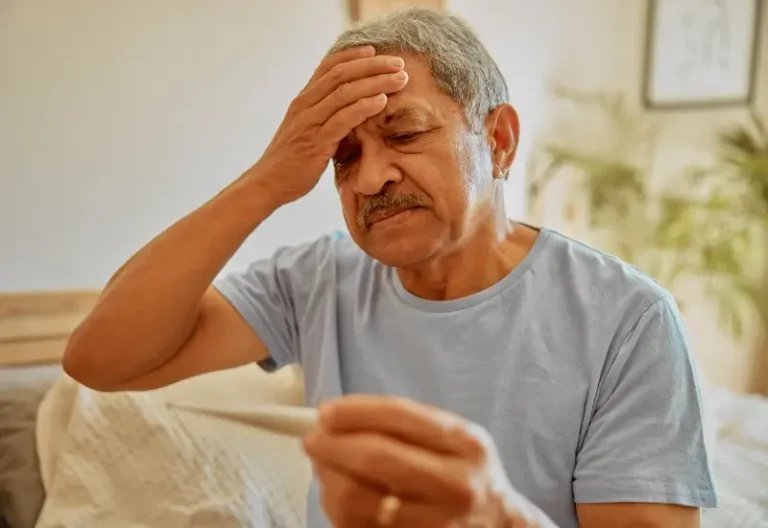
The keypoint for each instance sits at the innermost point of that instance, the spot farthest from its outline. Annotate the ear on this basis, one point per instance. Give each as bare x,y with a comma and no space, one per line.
503,129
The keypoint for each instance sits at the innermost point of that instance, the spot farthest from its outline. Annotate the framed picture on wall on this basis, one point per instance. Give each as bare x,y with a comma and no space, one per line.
365,9
701,53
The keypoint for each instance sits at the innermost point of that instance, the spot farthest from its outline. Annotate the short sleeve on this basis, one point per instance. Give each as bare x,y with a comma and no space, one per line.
646,439
266,295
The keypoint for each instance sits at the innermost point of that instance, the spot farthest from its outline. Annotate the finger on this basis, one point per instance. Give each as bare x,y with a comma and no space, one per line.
345,120
518,520
428,427
349,93
350,502
347,72
346,500
340,57
389,464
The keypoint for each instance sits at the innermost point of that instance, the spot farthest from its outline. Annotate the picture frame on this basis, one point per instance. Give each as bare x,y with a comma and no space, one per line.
366,9
701,53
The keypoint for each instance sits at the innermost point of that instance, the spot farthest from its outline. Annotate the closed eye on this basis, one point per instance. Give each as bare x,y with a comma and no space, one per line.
405,137
341,161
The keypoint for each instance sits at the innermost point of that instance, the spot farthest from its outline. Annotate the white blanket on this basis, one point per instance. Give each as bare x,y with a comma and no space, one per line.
740,461
114,460
127,459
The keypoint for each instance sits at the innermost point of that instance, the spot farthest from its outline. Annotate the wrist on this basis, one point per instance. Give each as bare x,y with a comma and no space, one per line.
254,185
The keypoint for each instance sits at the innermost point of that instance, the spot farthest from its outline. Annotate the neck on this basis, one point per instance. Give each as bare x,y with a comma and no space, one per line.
494,248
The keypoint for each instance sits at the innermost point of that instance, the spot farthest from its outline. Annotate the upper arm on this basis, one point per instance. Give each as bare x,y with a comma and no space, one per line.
250,316
645,441
221,339
634,515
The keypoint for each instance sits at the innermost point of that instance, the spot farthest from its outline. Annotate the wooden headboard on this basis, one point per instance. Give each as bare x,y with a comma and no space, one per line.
34,326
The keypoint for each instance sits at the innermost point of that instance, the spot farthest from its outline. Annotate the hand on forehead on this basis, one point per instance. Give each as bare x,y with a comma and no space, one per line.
400,113
417,103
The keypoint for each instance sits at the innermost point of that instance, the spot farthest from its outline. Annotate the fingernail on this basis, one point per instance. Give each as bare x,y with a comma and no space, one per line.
378,100
367,51
400,76
397,62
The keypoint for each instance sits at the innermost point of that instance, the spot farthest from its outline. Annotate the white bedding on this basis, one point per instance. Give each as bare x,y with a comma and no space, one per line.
112,460
741,460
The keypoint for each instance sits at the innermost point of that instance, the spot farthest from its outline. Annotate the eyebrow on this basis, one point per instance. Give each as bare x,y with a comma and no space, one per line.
406,114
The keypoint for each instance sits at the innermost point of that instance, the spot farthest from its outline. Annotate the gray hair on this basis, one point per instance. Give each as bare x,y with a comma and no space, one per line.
460,64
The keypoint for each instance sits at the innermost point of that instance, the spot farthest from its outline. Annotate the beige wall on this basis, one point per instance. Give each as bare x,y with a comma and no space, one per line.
602,49
116,118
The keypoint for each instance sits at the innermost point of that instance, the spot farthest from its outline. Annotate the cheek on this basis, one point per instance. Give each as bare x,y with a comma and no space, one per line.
442,173
348,201
476,172
433,173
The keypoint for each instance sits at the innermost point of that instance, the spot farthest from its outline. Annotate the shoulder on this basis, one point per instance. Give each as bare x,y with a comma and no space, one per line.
300,267
320,264
317,255
596,274
600,281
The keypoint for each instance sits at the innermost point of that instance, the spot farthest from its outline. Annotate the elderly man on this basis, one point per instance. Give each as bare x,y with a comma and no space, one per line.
470,370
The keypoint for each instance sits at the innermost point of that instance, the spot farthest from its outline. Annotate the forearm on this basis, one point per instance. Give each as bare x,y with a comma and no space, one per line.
150,306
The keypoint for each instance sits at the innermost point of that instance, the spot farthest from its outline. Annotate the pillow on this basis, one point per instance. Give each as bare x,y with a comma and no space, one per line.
21,488
53,418
130,459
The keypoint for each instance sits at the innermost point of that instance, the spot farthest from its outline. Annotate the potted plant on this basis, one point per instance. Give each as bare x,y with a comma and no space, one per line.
703,224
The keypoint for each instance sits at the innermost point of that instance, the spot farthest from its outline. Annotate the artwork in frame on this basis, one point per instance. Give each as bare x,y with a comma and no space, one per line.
365,9
701,53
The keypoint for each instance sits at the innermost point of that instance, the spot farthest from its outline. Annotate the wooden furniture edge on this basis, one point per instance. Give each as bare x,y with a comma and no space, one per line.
35,326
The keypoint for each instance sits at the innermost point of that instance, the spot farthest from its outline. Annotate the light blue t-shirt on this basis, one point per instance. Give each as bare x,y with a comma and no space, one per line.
575,362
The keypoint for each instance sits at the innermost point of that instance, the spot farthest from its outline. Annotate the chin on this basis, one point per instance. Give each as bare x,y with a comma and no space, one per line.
400,250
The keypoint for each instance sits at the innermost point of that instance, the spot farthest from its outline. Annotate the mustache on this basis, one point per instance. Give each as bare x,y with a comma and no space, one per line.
386,202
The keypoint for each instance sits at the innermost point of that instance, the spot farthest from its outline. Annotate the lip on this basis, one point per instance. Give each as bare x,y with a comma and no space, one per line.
390,215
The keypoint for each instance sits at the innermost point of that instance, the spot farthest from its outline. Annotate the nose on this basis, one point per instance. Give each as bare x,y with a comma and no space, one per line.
375,172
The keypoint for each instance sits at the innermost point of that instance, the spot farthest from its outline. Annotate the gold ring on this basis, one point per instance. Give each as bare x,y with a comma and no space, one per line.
388,510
